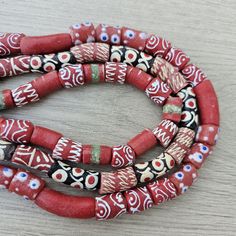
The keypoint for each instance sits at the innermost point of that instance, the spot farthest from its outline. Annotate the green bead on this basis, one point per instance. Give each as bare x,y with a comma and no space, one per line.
95,154
95,73
2,103
172,109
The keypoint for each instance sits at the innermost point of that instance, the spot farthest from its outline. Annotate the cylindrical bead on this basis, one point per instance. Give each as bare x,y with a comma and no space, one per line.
6,100
6,176
207,134
94,73
115,72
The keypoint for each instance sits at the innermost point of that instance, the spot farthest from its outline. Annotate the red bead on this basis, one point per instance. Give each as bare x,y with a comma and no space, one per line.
161,191
82,33
115,72
207,103
98,154
143,142
122,155
14,66
181,144
110,206
91,52
169,74
26,184
94,73
157,46
7,98
45,137
193,74
138,199
108,34
10,43
65,205
207,134
177,58
18,131
32,157
198,154
71,76
120,180
46,84
133,38
138,78
6,176
172,109
165,132
184,178
67,149
158,91
33,45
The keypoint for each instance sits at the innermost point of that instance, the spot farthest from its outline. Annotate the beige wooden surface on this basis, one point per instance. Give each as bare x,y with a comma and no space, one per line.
111,114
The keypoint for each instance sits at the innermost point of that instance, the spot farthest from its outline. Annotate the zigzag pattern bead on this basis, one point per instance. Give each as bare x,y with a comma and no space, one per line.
115,72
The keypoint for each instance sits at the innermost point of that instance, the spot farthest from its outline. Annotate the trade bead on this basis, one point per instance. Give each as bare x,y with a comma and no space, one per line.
94,73
138,78
115,72
138,200
67,149
157,46
122,155
6,176
14,66
207,103
6,100
97,154
91,52
184,178
10,43
120,180
108,34
150,170
207,134
76,177
133,38
177,58
169,74
6,150
198,154
32,157
161,190
82,33
45,138
142,142
193,74
110,206
17,131
158,91
172,109
72,76
33,45
181,144
165,132
26,184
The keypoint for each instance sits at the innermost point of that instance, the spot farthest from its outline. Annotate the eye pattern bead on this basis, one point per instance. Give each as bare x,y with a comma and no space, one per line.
161,191
108,34
158,91
17,131
169,74
74,176
122,156
172,109
207,134
110,206
26,185
32,157
138,200
165,132
50,62
6,176
155,168
82,33
6,150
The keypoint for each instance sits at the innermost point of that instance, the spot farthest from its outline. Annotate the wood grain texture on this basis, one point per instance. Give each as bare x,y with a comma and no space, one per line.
111,114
